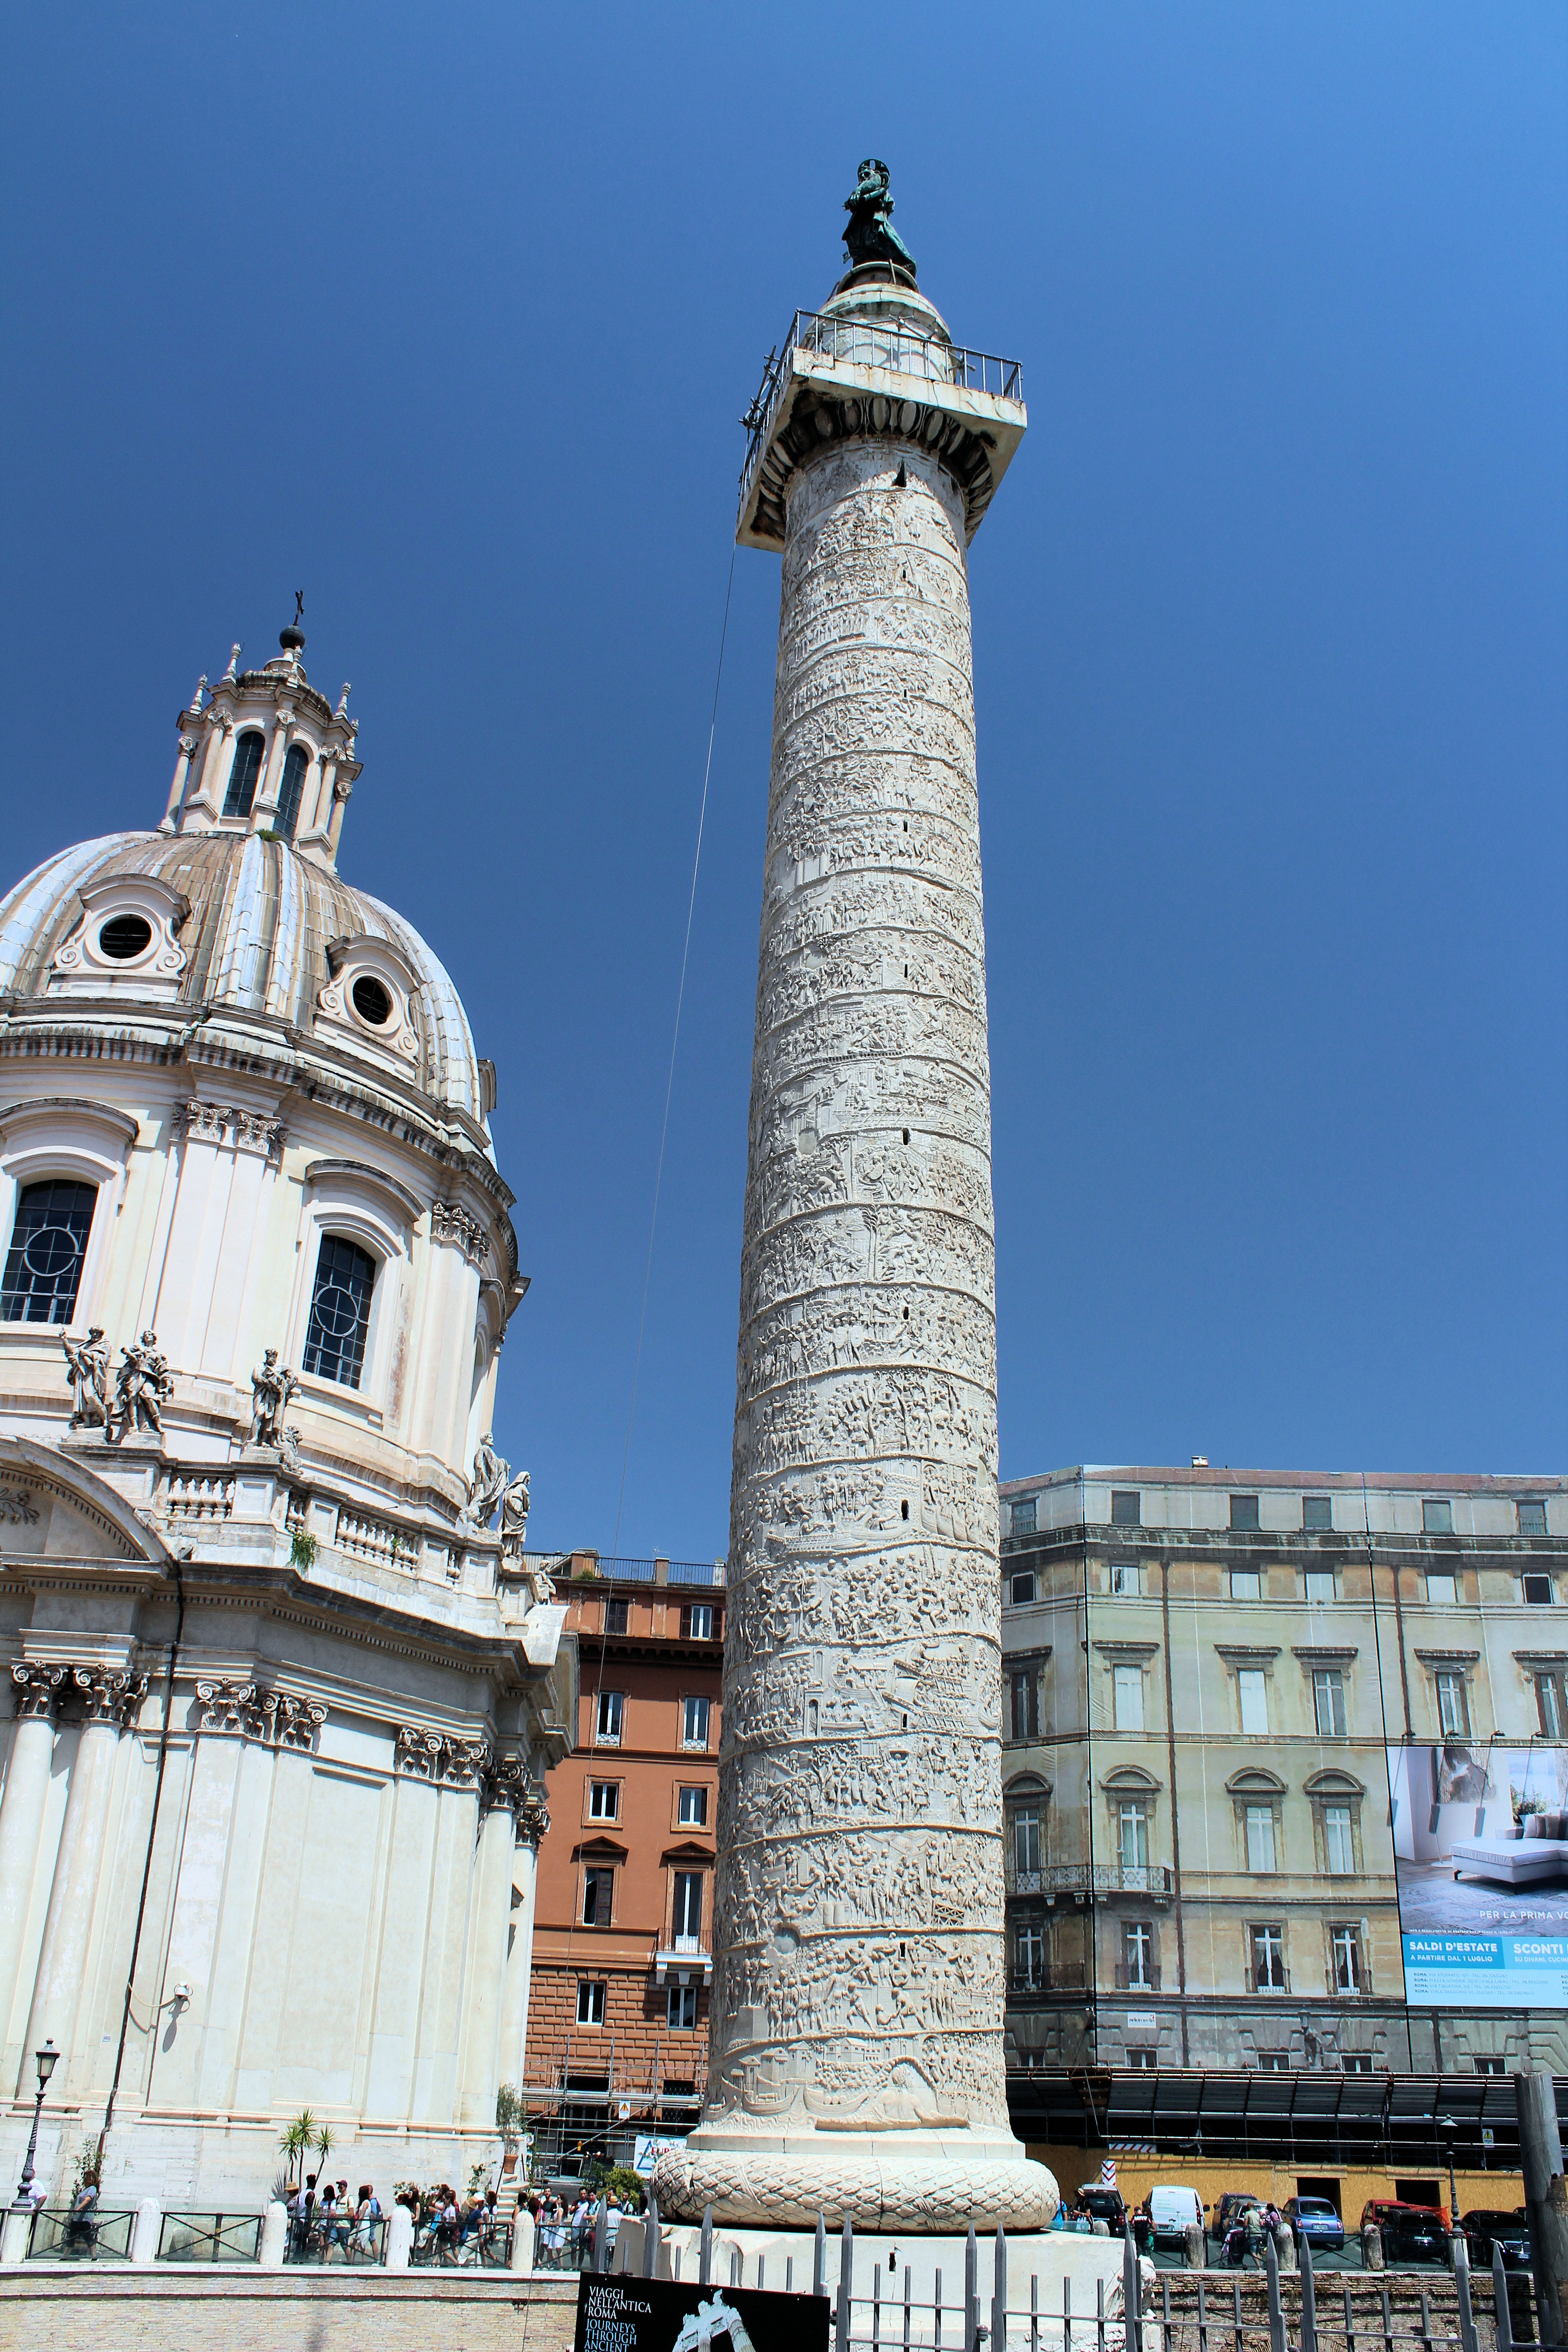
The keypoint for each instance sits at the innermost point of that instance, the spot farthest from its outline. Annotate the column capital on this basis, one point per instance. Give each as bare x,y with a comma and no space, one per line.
245,1710
532,1819
503,1786
425,1755
36,1690
110,1698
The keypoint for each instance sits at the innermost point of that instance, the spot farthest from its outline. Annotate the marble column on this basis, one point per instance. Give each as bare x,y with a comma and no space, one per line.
485,1983
111,1700
856,2044
36,1691
532,1821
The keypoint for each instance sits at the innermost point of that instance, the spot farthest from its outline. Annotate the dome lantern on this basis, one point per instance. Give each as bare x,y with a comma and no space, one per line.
269,755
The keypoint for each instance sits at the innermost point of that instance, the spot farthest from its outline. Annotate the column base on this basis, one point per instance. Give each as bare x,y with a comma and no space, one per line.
931,2181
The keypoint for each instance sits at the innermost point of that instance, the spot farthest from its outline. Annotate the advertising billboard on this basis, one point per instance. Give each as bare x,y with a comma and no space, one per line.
1481,1858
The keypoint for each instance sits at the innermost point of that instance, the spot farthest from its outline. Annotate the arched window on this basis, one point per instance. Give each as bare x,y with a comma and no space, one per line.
48,1243
244,774
339,1311
294,768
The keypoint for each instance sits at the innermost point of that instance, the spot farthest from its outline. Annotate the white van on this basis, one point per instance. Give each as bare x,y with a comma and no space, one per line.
1173,2211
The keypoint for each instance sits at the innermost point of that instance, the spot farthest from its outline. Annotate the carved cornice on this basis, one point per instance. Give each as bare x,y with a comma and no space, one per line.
110,1698
225,1123
249,1711
448,1224
35,1690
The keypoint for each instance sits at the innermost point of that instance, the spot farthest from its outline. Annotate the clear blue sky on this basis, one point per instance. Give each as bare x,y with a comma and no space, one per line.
446,316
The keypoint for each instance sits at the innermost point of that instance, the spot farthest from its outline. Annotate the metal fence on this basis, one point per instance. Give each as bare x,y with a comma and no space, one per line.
58,2236
1142,2311
209,2238
859,341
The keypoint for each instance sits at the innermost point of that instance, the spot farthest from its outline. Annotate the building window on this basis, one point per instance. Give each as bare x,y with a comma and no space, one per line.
1132,1833
1344,1947
1266,1946
688,1910
1260,1838
1025,1692
48,1243
1329,1701
1127,1697
339,1311
1317,1514
1273,2062
1125,1508
681,2013
1357,2062
590,2002
694,1722
292,789
598,1892
244,774
1021,1587
1143,2060
1490,2065
611,1715
604,1801
1550,1707
1028,1956
1452,1706
692,1809
1321,1584
1539,1591
1026,1840
618,1616
1252,1688
697,1620
1436,1517
1025,1517
1533,1518
1124,1582
1243,1511
1246,1584
1339,1844
1442,1591
1138,1955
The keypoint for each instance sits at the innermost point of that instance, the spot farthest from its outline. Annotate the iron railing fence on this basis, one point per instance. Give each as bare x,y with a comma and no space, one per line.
336,2237
1183,2311
58,2236
873,343
209,2238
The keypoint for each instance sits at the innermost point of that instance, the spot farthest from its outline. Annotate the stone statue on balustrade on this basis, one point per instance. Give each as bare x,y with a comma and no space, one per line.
88,1360
870,235
487,1486
141,1385
270,1389
514,1541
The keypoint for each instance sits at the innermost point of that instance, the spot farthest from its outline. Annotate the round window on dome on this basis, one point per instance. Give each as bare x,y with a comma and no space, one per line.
125,936
371,1002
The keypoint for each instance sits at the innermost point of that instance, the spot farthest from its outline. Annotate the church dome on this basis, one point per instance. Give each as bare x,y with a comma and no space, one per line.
241,928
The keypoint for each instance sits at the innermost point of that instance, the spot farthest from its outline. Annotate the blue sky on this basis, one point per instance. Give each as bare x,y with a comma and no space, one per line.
447,317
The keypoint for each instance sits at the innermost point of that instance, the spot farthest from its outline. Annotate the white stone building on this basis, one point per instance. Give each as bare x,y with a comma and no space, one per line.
279,1701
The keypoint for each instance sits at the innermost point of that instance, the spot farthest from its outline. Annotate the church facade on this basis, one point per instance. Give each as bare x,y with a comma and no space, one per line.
280,1698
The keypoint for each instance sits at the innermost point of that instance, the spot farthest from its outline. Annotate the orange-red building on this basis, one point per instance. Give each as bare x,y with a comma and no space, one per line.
623,1940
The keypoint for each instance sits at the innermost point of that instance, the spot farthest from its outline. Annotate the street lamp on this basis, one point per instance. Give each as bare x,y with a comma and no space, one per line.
45,2061
1448,2128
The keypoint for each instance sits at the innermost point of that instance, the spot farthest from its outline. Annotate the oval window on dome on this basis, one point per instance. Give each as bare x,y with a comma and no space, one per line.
372,1000
125,936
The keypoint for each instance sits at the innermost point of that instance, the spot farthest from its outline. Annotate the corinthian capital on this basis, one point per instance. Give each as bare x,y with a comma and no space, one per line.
35,1690
110,1698
532,1819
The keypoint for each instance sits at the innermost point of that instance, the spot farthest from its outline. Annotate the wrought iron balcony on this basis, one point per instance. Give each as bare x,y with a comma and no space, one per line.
1150,1878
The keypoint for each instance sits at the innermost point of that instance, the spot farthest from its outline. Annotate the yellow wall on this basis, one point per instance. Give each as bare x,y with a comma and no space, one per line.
1211,2177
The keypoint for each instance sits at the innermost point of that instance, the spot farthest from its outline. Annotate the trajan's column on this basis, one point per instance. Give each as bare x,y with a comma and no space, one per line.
855,2061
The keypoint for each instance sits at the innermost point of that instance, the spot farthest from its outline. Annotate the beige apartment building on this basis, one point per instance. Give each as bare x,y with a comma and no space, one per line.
1279,1751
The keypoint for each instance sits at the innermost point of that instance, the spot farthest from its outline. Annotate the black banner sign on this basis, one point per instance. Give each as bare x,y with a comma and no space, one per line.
618,2313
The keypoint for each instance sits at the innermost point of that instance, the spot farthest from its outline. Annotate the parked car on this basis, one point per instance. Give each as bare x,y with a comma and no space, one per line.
1173,2209
1411,2233
1314,2219
1229,2227
1102,2204
1487,2228
1231,2208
